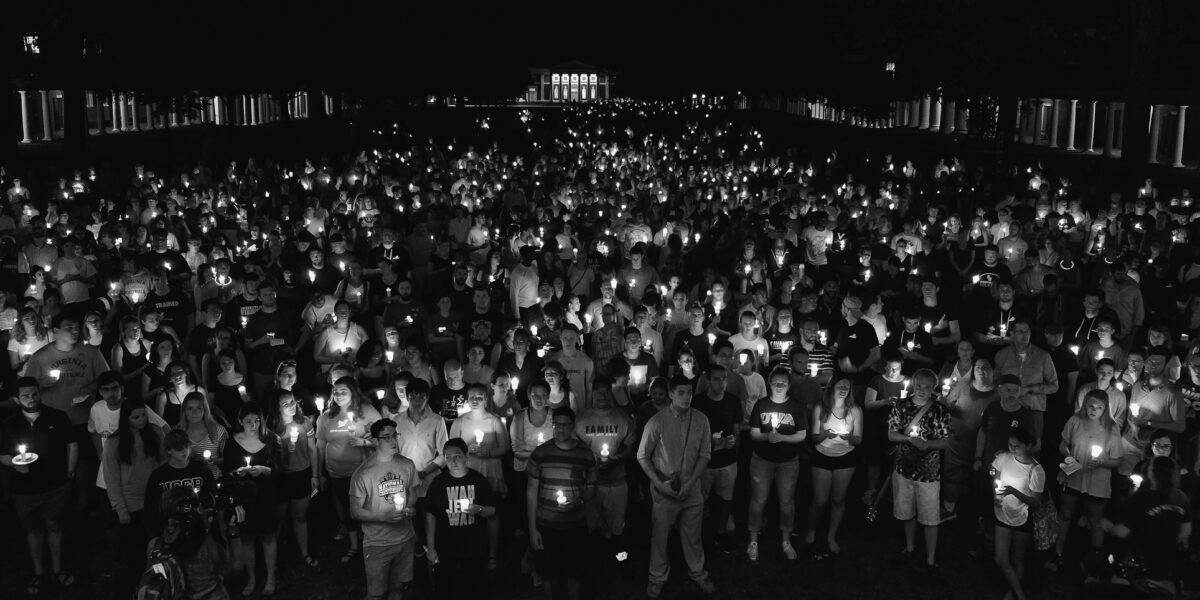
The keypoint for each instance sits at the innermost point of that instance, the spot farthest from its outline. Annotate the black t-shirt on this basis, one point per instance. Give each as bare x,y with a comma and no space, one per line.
484,328
1155,517
856,341
174,306
922,343
724,415
49,436
792,417
194,476
998,423
200,340
284,324
779,344
459,535
697,344
447,402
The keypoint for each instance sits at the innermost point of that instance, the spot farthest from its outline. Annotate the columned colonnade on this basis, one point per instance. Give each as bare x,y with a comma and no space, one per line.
1071,124
42,112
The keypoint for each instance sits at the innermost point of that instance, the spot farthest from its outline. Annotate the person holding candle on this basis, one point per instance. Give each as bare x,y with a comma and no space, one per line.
999,418
561,477
230,387
838,432
297,479
920,428
208,437
341,448
561,393
1160,406
995,327
180,471
1091,445
29,335
778,427
882,393
693,338
475,370
252,454
530,427
610,435
911,342
579,369
41,489
338,342
642,365
486,437
272,334
1103,347
1019,483
782,337
1118,403
457,505
128,458
857,348
381,496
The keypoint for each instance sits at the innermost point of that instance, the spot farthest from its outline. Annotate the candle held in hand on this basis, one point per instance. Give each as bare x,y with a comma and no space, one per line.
1134,409
247,462
478,436
1096,450
294,434
398,500
560,497
604,453
21,449
54,374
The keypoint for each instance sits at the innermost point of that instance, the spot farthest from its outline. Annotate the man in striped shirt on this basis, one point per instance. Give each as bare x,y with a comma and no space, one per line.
562,476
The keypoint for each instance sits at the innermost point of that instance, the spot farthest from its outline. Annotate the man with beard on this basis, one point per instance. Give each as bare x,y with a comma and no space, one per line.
41,489
480,323
405,313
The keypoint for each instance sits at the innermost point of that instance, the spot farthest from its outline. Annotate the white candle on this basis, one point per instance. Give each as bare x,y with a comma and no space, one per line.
904,390
742,359
775,421
294,433
1136,480
312,276
320,402
999,485
242,390
824,337
464,504
604,453
207,455
379,394
1134,409
389,354
54,374
541,437
560,497
1074,349
478,436
812,369
945,386
398,500
21,450
515,382
1096,450
247,462
712,339
910,345
914,431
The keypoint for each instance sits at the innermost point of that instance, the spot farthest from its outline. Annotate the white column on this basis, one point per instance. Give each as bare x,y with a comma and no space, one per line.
924,124
1055,121
1155,131
116,116
948,124
914,112
935,114
1091,135
133,113
1110,134
216,104
123,112
1039,121
149,117
962,120
1180,127
47,131
244,111
25,139
1071,124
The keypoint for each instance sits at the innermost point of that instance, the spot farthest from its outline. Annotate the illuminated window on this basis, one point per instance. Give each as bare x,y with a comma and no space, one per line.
31,44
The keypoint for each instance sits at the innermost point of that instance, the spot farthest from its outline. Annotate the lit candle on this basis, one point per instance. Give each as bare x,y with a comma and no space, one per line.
312,276
242,390
541,437
1136,480
775,421
824,336
294,434
515,382
21,450
910,345
945,386
1096,450
320,402
247,462
478,436
914,431
464,504
1074,349
812,369
54,374
999,486
533,330
928,329
1003,329
712,339
742,359
208,456
390,355
560,497
1100,355
975,279
379,394
1134,409
603,452
648,345
904,390
398,501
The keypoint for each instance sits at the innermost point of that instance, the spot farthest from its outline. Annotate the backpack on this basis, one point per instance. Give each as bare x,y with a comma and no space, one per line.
163,579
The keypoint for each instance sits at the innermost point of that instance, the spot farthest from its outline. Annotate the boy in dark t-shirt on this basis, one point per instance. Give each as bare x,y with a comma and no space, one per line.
457,507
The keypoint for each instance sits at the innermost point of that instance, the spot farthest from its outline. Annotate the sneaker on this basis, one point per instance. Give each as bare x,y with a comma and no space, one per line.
537,581
752,551
903,558
340,534
654,590
706,586
947,515
788,550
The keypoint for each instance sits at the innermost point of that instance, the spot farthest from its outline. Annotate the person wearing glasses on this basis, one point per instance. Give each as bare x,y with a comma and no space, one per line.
382,497
458,506
1160,405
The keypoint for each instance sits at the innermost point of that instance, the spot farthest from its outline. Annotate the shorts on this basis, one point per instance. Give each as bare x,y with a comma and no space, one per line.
848,460
388,567
916,498
720,481
1086,497
606,511
35,510
296,485
564,553
1026,527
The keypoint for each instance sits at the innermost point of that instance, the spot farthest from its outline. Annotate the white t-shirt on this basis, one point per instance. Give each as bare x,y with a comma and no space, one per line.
104,421
1027,478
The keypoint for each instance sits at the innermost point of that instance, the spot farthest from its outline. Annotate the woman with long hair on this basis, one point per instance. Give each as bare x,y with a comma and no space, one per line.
29,334
371,371
287,379
837,426
502,400
205,433
230,387
154,377
180,384
224,340
339,342
298,450
130,356
94,333
475,371
128,459
1092,447
252,454
416,362
343,436
560,386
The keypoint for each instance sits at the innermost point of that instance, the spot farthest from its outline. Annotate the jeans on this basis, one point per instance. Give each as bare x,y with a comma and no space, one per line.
784,475
689,513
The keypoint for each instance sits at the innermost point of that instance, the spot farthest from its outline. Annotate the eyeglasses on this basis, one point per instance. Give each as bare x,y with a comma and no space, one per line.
1163,445
386,436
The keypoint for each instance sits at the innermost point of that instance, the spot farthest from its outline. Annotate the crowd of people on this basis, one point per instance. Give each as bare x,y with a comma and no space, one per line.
515,345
